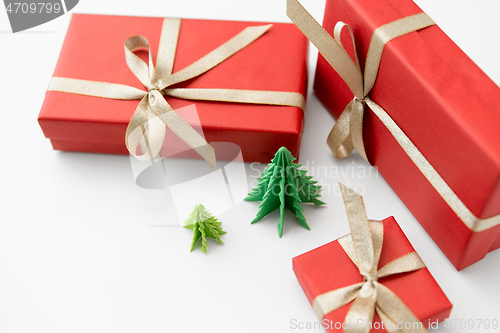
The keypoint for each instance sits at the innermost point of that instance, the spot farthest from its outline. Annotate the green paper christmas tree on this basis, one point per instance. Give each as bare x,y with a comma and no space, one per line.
282,185
204,225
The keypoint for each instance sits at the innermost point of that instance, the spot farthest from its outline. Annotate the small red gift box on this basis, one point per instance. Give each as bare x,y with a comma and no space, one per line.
93,50
446,106
329,268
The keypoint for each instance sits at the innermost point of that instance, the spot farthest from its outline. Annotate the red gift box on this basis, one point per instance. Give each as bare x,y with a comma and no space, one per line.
328,268
447,107
93,50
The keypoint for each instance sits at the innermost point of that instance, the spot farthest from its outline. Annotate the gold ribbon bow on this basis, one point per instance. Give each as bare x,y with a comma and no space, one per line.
363,246
147,125
347,134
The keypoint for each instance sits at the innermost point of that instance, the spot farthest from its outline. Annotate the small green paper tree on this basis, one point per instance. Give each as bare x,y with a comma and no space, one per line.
204,225
282,185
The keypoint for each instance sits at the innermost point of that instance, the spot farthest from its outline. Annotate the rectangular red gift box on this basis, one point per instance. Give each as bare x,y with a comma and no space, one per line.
328,268
447,107
93,50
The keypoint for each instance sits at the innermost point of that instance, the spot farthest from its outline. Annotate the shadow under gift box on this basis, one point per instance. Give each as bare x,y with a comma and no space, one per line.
447,107
328,268
93,50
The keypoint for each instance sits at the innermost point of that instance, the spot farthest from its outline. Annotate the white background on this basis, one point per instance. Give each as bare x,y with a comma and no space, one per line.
80,246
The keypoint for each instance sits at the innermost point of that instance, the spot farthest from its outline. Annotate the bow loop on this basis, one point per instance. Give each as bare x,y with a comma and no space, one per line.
145,130
144,72
337,33
360,231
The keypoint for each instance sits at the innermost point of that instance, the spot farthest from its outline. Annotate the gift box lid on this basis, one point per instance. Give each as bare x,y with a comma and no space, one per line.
328,267
93,50
442,101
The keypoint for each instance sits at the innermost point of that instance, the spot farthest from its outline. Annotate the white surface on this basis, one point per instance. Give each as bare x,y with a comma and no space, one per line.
80,246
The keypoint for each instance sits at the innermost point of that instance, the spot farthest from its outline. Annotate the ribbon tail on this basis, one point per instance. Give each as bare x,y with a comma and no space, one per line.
360,315
388,324
182,129
397,311
283,98
356,129
347,133
144,129
332,300
339,140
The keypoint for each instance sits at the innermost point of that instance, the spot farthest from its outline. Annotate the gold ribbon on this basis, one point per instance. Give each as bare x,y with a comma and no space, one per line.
147,125
347,134
363,246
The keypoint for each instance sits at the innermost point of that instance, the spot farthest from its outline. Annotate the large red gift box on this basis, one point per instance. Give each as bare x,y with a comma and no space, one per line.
328,268
447,107
93,50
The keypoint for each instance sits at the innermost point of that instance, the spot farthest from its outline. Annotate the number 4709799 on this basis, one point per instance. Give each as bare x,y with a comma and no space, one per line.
471,323
40,7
